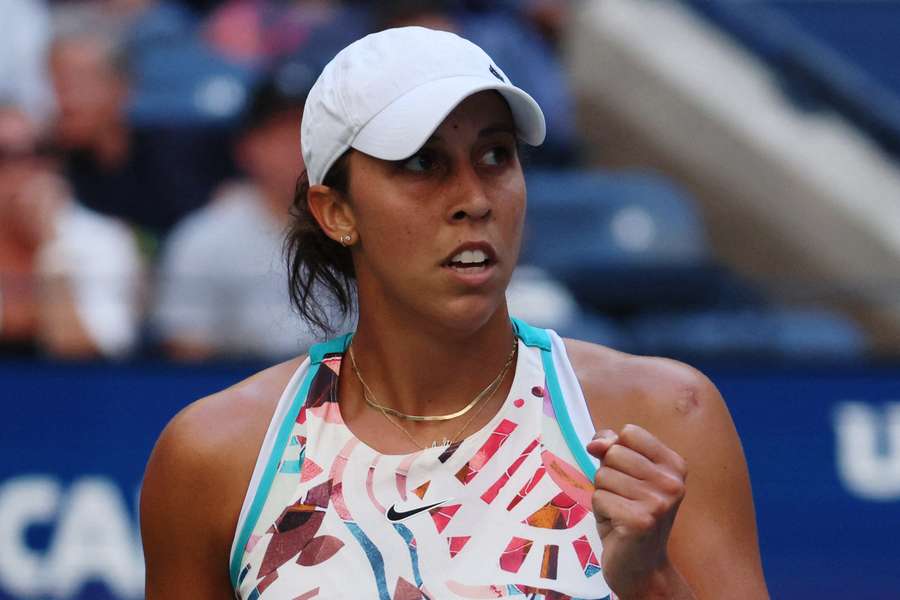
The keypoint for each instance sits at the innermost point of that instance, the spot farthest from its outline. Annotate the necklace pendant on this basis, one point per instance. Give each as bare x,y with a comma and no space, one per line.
441,444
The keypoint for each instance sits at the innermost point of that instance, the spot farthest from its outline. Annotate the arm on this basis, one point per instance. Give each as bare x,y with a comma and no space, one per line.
714,540
185,546
673,535
195,484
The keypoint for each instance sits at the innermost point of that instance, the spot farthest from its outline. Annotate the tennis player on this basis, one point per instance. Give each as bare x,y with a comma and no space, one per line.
444,449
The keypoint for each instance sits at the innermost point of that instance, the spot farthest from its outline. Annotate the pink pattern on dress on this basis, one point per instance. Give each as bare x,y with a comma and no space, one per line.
516,550
497,438
529,485
491,493
569,478
456,543
370,475
309,470
442,515
402,471
337,476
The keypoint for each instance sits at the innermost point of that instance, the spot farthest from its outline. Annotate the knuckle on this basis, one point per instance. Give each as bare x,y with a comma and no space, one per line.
659,507
598,503
600,477
614,454
630,430
671,485
643,521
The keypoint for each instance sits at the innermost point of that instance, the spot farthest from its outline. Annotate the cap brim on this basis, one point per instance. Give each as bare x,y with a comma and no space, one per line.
405,125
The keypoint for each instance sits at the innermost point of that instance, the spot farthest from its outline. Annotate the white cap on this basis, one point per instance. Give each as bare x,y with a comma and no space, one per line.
386,93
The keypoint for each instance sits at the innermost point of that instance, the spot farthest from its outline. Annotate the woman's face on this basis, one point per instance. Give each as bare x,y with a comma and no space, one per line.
439,232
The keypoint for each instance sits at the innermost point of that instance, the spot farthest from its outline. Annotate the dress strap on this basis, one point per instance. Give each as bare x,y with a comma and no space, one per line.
540,338
531,336
333,346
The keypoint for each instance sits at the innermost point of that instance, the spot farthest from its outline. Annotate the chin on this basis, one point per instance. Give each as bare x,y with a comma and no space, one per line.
470,313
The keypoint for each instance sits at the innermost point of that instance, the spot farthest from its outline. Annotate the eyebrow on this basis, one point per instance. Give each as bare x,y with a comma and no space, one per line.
487,131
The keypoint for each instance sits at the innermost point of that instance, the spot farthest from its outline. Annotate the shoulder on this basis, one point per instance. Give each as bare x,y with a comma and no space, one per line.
199,470
662,395
713,543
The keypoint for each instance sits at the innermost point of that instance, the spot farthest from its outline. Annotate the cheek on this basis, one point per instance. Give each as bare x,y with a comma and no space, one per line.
514,204
400,236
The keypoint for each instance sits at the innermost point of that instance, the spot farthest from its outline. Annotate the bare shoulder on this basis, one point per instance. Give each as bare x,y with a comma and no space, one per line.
238,414
656,393
198,473
713,543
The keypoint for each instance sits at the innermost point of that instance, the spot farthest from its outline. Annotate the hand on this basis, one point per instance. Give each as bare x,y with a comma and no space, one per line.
638,490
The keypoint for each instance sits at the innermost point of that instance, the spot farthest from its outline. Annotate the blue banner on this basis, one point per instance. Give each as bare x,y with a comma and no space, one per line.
823,449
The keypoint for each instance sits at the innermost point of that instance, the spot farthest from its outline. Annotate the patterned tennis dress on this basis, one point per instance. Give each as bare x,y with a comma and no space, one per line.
506,512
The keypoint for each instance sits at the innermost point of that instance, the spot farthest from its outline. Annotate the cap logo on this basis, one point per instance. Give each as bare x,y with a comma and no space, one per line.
496,74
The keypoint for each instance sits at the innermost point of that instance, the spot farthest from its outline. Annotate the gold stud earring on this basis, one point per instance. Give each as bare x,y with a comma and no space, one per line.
346,239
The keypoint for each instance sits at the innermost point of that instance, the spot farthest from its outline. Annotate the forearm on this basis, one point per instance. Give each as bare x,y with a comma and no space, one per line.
666,584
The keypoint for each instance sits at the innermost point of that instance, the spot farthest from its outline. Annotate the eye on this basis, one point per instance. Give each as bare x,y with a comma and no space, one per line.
420,162
496,156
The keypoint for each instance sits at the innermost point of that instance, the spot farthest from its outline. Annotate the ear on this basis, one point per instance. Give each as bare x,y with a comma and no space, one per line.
333,213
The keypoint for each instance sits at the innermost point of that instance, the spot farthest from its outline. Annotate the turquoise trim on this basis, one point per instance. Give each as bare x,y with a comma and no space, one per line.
531,336
265,484
539,338
562,417
334,346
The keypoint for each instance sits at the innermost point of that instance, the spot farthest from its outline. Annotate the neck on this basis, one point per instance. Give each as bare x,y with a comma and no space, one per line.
421,368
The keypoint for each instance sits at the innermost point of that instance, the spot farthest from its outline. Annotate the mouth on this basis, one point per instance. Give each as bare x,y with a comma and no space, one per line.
471,258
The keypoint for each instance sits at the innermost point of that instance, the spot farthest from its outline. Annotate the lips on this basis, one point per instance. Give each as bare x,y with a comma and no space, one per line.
471,257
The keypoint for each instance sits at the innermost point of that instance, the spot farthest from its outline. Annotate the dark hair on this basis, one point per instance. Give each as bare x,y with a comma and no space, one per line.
320,270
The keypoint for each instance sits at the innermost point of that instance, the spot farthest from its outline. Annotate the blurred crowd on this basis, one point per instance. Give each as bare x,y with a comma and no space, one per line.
149,151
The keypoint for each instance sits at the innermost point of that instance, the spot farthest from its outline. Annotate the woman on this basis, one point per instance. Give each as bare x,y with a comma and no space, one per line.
443,450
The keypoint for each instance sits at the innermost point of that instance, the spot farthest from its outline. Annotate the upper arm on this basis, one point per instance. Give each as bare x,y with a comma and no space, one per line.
714,539
181,521
195,483
713,542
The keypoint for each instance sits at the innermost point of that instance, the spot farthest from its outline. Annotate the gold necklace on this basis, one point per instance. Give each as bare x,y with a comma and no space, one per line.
369,396
446,442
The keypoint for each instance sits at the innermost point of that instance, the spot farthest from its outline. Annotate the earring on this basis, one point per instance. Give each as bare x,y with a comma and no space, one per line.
346,239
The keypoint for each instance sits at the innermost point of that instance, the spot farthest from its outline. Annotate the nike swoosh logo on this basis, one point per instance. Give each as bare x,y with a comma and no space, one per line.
395,515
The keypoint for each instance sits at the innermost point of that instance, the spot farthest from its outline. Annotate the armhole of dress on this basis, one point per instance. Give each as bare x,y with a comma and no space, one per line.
288,404
574,403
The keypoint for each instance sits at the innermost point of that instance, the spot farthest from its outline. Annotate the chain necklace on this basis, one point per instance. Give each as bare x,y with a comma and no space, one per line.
492,389
369,396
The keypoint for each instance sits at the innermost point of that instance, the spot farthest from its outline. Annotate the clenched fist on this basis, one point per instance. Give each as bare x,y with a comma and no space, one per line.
638,490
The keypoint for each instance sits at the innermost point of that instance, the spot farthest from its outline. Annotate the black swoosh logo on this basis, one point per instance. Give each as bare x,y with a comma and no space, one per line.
394,515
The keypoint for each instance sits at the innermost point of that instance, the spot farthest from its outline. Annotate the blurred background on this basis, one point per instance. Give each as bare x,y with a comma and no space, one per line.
720,184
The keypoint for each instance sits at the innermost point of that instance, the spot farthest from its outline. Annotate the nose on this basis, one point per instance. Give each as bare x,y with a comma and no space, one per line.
470,199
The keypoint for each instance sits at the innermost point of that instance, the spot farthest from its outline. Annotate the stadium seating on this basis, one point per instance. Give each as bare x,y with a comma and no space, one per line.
620,241
631,246
837,55
182,82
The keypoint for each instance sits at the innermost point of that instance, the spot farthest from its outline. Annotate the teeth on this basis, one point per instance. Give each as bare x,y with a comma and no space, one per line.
470,257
